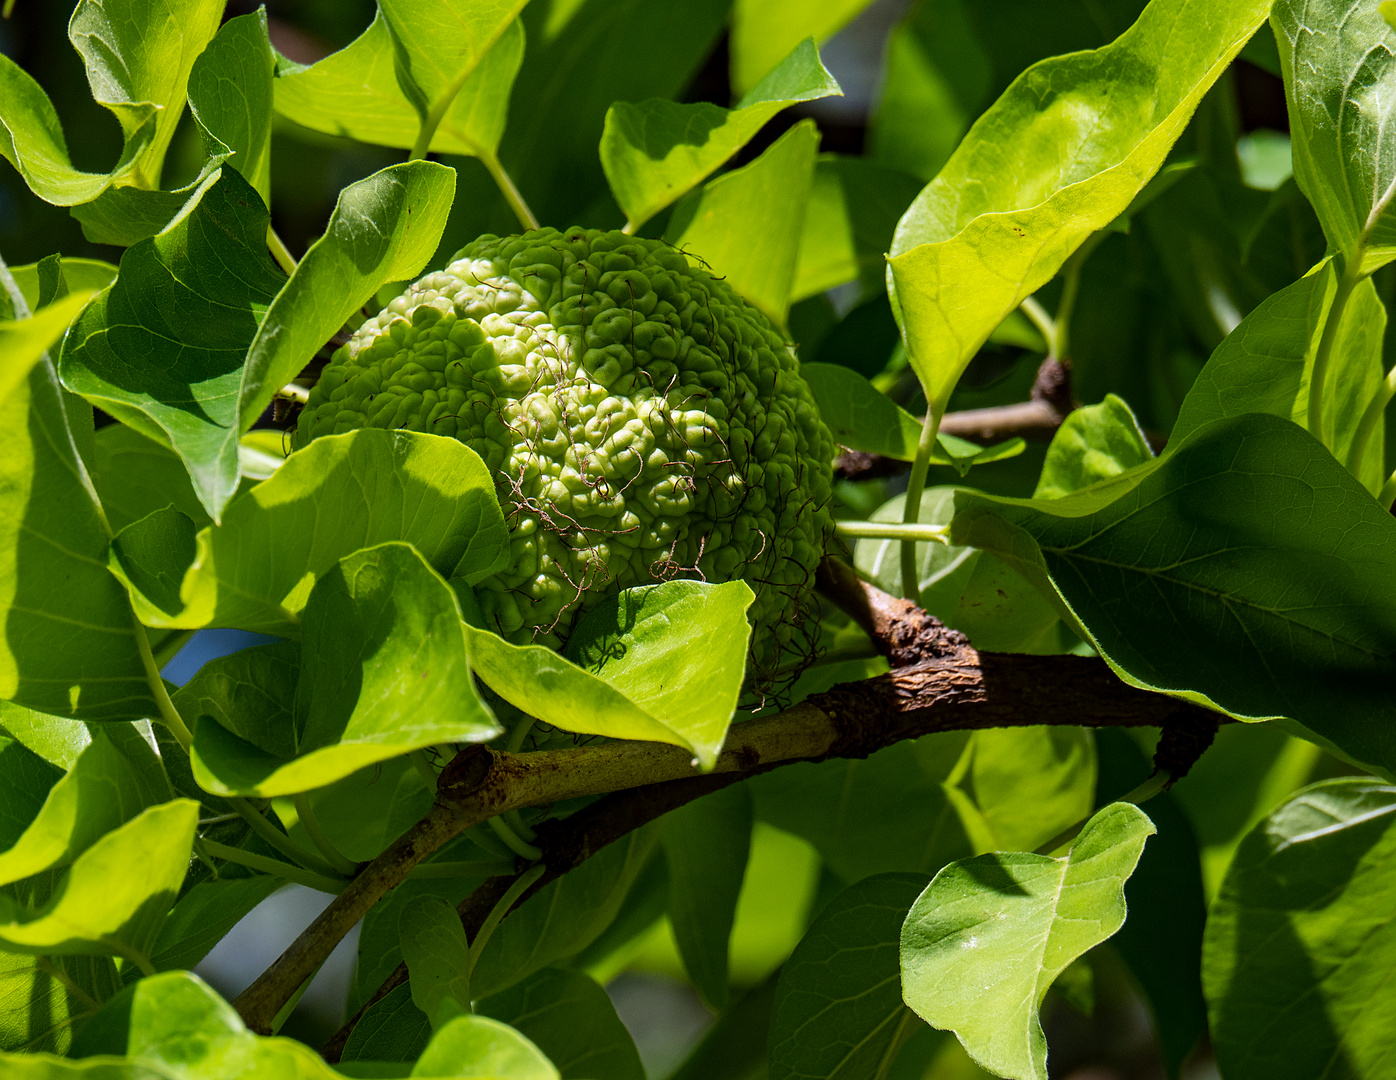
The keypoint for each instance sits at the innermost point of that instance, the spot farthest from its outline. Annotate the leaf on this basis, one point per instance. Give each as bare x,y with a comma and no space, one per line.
1031,783
1245,569
1299,950
677,650
383,671
838,1006
38,1011
136,476
1056,158
476,1046
762,31
706,844
124,215
1337,62
1264,365
384,228
1001,611
984,942
162,349
437,957
204,915
571,1020
1093,443
138,56
57,740
365,812
338,495
23,341
391,1029
563,917
110,784
853,210
230,95
655,151
100,908
356,93
82,275
746,225
861,417
942,569
69,646
1161,941
887,813
31,139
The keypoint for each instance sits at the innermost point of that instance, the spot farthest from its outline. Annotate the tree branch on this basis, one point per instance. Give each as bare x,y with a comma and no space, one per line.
939,683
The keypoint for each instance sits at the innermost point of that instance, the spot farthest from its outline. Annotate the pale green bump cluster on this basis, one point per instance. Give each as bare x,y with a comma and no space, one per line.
643,422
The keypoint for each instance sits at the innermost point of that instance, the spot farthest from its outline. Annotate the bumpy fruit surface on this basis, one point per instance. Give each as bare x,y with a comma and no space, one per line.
643,422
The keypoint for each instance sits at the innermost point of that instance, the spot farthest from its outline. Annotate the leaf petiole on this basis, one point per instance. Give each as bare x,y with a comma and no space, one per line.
517,844
332,854
1349,279
915,487
496,916
275,867
278,839
893,530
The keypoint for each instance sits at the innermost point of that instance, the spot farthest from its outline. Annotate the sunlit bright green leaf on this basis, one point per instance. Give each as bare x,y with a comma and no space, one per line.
230,94
1301,943
1057,157
1093,443
655,151
23,341
383,672
746,225
984,942
765,30
341,493
478,1046
1031,783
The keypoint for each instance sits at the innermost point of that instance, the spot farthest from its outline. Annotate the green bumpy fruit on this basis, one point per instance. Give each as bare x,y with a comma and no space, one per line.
643,422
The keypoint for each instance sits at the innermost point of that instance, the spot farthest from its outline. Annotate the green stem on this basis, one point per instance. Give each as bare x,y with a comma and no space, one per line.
1046,325
278,839
496,916
168,713
1367,423
280,252
511,194
1388,492
9,7
1347,281
519,846
274,867
519,734
332,854
893,530
1155,783
915,486
515,821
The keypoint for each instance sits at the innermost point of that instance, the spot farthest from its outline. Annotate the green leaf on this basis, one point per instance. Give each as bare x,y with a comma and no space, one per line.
383,671
1336,58
110,784
1246,569
81,275
889,812
1299,948
562,918
23,341
476,1046
366,811
384,228
706,844
31,139
1031,783
942,569
136,476
39,1010
100,908
1094,443
124,215
204,915
838,1008
391,1029
1001,611
852,214
1264,365
1056,158
69,646
862,417
437,957
162,349
676,650
571,1020
983,943
763,31
138,56
338,495
57,740
657,150
746,225
230,95
356,92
